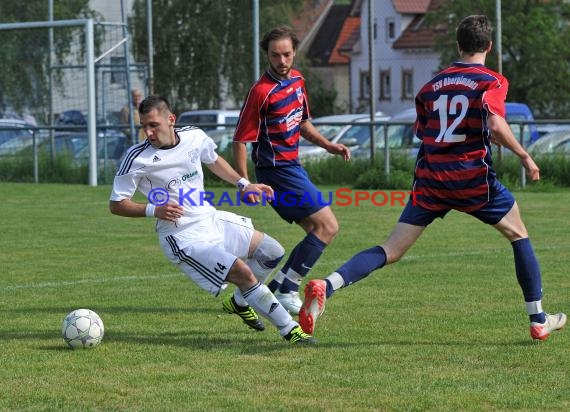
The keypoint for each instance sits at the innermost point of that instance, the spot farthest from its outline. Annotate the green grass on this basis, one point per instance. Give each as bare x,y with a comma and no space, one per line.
443,330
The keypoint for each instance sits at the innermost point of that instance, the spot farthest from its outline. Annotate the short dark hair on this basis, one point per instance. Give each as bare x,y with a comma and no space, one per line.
154,102
278,33
474,34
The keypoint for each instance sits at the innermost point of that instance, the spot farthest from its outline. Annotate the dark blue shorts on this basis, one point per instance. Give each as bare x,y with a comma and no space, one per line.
491,213
296,197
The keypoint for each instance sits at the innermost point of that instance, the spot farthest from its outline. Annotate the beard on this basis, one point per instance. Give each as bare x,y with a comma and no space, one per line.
282,70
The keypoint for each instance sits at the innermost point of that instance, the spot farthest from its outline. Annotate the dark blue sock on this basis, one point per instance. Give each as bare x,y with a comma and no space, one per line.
528,274
359,266
309,250
274,285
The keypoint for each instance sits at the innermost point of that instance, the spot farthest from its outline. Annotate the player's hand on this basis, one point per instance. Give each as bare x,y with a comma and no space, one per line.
531,168
339,149
171,212
252,192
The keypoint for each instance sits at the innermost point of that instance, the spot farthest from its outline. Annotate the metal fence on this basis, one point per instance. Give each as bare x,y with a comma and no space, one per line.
80,90
30,147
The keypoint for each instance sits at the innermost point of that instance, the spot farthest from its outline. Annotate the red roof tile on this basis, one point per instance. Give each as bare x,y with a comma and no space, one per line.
411,6
418,34
310,13
350,26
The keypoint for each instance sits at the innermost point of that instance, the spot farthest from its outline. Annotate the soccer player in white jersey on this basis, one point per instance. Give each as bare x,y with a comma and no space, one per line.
211,247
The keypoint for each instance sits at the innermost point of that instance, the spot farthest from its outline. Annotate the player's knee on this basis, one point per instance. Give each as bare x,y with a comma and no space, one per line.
269,252
329,231
241,275
333,228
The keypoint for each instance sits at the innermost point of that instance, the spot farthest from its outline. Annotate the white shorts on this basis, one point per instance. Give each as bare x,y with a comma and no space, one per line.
207,249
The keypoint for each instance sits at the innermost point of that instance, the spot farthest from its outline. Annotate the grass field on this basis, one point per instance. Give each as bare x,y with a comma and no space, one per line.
443,330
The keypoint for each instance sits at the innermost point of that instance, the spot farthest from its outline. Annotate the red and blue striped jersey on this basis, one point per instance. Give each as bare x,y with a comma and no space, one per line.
271,119
454,167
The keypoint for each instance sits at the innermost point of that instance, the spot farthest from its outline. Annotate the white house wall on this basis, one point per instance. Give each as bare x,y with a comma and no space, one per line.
423,63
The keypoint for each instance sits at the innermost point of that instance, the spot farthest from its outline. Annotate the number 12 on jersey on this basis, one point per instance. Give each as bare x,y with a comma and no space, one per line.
458,106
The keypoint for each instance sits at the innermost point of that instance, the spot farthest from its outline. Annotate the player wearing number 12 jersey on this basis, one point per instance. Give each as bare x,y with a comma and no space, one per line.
459,112
454,168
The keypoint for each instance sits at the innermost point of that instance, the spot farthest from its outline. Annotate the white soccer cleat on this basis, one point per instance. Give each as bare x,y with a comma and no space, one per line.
290,301
541,331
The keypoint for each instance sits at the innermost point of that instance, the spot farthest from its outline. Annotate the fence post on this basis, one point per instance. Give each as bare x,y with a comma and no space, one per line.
521,141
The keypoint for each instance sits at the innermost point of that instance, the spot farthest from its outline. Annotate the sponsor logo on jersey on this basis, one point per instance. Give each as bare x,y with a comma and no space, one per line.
189,176
173,183
156,159
194,155
300,94
293,118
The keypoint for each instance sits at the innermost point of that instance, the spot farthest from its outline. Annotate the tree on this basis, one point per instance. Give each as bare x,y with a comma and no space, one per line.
535,38
203,48
24,55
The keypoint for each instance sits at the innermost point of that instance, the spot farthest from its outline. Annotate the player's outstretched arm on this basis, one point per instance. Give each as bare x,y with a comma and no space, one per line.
503,135
223,170
239,151
311,133
128,208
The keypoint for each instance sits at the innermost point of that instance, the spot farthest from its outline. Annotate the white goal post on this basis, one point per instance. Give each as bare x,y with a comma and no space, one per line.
90,68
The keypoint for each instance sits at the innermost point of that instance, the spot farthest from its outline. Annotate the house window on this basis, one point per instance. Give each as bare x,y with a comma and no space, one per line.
364,85
407,84
385,85
118,71
390,30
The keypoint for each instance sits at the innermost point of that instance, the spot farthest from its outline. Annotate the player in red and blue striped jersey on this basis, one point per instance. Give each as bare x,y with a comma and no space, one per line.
459,112
273,117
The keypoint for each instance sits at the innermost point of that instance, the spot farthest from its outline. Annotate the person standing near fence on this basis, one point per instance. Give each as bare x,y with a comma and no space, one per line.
136,96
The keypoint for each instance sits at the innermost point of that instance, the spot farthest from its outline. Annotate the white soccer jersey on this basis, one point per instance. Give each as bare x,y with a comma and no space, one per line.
173,174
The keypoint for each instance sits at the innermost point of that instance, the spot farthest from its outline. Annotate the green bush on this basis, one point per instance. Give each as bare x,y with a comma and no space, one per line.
332,170
362,173
61,170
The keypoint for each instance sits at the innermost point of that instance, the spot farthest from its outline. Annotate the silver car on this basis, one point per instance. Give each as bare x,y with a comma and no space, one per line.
347,129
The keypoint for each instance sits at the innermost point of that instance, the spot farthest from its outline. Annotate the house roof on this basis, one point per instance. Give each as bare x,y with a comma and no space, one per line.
349,35
325,41
355,8
411,6
418,34
309,20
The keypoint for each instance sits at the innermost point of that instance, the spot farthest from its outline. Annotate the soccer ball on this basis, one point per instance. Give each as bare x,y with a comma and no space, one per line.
82,328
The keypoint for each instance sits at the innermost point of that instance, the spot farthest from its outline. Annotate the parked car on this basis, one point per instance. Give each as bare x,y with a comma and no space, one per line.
15,135
545,128
209,119
400,134
222,137
71,118
76,144
347,129
520,112
552,143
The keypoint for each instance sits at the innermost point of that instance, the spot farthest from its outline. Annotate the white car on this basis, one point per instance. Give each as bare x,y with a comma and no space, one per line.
347,129
209,119
552,143
15,135
400,135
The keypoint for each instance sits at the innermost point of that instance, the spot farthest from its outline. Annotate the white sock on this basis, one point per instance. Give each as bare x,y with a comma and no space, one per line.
534,308
239,298
263,301
260,272
279,277
336,280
